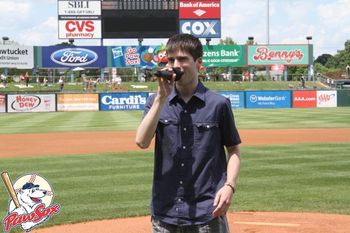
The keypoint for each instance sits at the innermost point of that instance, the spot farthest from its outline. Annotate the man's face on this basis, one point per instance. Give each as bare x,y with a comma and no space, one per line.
185,62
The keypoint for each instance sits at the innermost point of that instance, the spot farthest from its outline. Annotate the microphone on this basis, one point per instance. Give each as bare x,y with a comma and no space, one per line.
167,74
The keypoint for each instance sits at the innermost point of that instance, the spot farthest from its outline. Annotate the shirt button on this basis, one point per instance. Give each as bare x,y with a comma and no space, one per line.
182,164
185,111
177,209
184,147
179,199
181,182
165,121
208,126
185,129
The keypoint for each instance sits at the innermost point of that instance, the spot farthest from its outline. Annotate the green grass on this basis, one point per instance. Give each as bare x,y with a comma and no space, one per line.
129,120
304,177
152,86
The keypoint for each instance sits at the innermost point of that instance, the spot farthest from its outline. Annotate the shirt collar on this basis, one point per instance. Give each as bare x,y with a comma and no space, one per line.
199,93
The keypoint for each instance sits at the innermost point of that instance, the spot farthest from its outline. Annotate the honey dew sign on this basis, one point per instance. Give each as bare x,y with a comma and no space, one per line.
278,54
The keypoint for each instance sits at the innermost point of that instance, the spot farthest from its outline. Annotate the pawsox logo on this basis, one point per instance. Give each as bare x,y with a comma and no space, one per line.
30,203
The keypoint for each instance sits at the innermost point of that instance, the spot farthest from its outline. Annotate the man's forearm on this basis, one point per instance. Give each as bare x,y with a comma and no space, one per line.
148,125
233,165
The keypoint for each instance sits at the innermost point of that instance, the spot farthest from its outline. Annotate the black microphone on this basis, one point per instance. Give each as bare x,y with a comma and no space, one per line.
167,74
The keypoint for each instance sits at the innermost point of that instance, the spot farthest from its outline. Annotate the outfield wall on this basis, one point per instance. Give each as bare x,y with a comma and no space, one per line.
122,101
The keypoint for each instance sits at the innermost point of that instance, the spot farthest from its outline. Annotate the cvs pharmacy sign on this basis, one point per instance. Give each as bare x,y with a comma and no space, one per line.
201,28
80,29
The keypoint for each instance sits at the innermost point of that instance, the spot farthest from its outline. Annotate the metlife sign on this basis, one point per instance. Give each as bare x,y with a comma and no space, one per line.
268,99
79,19
123,101
201,28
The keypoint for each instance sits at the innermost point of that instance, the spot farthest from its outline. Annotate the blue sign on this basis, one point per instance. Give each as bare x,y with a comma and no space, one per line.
139,56
204,28
123,101
236,98
70,57
268,99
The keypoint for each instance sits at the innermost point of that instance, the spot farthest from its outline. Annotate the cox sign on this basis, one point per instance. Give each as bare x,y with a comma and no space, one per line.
201,28
92,56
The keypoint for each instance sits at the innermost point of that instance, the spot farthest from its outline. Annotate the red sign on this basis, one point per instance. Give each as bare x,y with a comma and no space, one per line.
277,67
204,9
304,99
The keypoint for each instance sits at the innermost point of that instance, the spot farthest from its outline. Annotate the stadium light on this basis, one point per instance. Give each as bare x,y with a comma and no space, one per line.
308,38
208,41
4,39
71,41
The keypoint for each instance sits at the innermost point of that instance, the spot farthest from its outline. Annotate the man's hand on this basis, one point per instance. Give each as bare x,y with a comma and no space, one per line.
165,87
222,201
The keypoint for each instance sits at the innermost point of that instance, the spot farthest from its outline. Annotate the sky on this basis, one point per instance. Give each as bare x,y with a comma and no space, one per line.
34,22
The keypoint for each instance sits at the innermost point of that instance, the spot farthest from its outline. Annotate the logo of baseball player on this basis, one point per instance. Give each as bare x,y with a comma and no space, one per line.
30,202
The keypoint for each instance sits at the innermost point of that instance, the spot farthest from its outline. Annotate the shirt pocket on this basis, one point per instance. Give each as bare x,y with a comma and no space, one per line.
206,135
167,134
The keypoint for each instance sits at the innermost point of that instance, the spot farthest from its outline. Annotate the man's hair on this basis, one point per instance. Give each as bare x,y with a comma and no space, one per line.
187,43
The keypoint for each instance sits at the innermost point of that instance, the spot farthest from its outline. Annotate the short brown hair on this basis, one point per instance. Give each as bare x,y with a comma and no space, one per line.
185,42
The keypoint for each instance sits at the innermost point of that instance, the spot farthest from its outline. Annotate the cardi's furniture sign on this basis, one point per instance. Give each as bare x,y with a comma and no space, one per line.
278,54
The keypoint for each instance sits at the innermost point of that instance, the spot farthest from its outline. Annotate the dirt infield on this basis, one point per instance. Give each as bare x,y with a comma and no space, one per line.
19,145
242,222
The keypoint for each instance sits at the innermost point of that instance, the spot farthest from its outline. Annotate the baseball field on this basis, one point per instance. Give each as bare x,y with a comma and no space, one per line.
295,174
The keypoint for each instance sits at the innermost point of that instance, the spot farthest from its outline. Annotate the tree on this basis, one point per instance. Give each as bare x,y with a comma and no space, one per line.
227,41
323,59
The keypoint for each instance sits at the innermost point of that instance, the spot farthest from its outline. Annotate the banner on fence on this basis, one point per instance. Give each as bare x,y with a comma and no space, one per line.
123,101
2,103
77,102
236,98
31,103
304,99
326,99
268,99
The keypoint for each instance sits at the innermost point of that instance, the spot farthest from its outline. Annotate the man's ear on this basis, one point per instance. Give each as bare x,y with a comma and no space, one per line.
199,63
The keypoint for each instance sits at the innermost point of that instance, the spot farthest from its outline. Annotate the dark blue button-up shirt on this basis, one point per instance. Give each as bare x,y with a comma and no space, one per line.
190,162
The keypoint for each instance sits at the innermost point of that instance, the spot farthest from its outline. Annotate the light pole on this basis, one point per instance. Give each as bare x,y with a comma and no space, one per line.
140,41
71,41
268,33
310,64
208,41
251,68
4,39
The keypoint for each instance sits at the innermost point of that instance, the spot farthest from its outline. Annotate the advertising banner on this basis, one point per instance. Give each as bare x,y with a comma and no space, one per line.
123,101
304,99
278,54
138,56
77,102
343,98
79,19
79,29
2,103
14,56
199,9
326,99
268,99
201,28
236,98
71,56
31,103
224,55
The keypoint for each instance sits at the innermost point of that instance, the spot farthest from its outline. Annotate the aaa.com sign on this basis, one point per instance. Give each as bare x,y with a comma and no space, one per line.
31,103
199,9
278,54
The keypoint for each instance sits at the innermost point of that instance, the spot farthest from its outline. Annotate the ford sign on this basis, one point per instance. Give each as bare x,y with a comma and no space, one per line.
74,57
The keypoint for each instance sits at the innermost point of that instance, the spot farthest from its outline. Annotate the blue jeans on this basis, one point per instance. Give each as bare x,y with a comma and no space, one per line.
217,225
